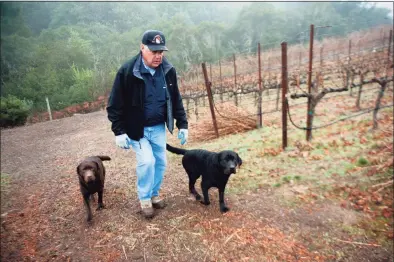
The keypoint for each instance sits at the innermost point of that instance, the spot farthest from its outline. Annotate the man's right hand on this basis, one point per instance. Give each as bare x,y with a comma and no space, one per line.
123,141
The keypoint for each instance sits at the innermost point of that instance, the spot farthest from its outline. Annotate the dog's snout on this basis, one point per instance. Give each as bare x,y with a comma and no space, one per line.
233,170
89,177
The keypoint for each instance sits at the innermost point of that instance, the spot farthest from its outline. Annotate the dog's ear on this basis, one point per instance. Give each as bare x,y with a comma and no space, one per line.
220,158
79,170
239,160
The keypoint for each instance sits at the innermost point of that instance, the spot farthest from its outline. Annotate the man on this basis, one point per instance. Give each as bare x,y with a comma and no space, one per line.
144,99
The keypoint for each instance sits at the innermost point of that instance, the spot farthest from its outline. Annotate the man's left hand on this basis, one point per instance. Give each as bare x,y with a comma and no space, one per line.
182,135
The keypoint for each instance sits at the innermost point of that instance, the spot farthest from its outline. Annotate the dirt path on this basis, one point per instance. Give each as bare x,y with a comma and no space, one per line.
43,216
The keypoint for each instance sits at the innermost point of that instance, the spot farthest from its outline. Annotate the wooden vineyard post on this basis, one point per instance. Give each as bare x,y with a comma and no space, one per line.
210,98
309,117
259,110
348,70
390,40
235,81
284,92
49,109
210,72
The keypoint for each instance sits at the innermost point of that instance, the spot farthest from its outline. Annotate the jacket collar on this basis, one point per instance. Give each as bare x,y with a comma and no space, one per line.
136,69
166,65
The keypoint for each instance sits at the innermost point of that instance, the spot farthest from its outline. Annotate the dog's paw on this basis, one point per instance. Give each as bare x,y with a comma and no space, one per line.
205,202
224,209
100,206
89,218
198,197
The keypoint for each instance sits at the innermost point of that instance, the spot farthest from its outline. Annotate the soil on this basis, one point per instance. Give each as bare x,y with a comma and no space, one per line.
43,218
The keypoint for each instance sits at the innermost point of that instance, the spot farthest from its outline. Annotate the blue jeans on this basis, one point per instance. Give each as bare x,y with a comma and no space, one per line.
151,161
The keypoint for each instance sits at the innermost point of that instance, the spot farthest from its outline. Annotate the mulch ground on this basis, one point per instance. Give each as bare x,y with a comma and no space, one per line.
43,217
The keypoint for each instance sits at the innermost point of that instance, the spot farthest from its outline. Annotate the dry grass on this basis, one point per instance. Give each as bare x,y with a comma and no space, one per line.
230,120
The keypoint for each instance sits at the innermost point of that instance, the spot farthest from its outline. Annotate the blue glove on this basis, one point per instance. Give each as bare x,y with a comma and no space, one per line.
182,135
123,141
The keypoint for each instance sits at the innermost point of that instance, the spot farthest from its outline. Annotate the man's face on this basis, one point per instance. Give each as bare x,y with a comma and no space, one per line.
151,58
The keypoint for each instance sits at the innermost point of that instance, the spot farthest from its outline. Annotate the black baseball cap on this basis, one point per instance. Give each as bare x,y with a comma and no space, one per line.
155,40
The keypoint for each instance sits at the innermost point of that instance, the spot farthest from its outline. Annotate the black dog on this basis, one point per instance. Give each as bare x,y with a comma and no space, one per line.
91,174
215,169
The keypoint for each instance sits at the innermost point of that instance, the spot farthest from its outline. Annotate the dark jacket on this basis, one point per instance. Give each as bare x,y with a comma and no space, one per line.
155,96
126,103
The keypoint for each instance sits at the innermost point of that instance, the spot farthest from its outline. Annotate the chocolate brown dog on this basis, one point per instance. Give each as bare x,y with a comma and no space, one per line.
91,174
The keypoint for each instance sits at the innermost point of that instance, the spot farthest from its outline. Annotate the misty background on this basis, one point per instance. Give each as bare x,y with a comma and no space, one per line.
70,51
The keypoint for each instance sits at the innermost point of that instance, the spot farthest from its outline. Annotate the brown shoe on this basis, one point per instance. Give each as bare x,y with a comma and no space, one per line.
147,209
148,212
158,203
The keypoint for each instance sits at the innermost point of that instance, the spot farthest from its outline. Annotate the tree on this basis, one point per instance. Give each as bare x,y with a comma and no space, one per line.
258,22
43,43
12,21
37,15
210,37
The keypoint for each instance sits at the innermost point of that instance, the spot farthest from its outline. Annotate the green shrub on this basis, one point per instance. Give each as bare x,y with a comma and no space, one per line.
362,161
14,111
286,179
297,177
84,87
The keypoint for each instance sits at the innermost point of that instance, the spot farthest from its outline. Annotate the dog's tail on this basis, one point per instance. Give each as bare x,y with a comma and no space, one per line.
176,150
104,158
